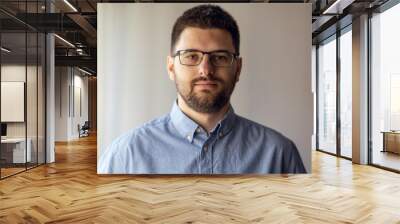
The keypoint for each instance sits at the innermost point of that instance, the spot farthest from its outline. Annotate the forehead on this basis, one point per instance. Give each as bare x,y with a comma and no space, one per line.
205,39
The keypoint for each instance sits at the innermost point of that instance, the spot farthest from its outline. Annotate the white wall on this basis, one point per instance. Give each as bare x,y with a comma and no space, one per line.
275,85
80,103
61,103
67,117
15,73
18,73
33,126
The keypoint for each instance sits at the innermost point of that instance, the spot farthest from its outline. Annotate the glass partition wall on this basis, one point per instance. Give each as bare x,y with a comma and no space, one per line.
345,62
326,60
334,86
22,88
334,102
385,89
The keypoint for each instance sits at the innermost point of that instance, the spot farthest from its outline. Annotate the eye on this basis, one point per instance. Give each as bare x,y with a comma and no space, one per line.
192,56
221,57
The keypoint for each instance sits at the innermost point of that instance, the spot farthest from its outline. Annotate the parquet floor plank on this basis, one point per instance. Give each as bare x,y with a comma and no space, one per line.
70,191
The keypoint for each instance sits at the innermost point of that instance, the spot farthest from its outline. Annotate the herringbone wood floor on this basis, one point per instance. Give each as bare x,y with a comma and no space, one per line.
70,191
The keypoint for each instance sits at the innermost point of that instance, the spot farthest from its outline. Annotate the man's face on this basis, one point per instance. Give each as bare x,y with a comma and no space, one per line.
205,88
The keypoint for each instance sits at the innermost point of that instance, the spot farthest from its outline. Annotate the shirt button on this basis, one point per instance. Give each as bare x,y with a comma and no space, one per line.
188,137
221,134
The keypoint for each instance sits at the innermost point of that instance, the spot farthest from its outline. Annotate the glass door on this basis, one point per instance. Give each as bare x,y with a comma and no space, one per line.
326,59
345,41
385,89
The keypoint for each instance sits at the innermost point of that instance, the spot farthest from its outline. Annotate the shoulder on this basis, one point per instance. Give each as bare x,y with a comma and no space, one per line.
270,140
144,131
122,149
157,124
259,131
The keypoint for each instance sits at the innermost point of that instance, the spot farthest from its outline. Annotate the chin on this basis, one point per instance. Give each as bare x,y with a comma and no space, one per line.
206,95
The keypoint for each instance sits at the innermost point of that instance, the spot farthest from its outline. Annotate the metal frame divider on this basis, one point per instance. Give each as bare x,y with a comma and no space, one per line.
44,71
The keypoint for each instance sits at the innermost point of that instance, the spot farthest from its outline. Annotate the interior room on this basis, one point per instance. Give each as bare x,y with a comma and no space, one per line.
66,92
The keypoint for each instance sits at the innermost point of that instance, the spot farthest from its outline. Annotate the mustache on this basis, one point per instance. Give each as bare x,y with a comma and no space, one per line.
212,79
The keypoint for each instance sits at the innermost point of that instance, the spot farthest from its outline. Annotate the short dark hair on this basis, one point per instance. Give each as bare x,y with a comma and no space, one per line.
206,17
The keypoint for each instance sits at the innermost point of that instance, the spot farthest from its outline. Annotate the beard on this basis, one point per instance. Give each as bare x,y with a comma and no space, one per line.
206,101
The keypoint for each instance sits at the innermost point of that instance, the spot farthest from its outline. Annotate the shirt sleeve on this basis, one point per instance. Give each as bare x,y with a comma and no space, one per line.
108,160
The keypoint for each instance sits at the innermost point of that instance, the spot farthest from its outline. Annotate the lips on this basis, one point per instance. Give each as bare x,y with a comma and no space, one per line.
205,83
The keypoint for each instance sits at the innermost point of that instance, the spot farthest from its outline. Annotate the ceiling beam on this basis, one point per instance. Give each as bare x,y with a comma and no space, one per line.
84,61
84,24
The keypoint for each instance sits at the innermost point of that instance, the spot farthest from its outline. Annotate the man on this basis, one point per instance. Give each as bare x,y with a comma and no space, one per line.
202,134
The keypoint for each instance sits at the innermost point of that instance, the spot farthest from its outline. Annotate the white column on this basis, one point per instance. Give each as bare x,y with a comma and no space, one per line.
50,99
360,90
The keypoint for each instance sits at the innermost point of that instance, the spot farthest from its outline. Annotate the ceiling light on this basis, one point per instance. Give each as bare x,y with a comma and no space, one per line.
64,40
70,5
338,6
331,7
5,50
84,71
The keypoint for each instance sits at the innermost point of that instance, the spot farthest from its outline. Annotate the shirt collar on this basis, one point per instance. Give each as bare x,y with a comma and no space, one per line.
187,127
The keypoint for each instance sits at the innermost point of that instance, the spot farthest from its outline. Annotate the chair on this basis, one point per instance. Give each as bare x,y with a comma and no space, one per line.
84,130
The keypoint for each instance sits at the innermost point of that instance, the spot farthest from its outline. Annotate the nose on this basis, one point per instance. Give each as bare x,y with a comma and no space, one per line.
205,67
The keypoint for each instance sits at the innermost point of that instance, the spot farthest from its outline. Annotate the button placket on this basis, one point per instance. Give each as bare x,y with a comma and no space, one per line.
206,164
206,157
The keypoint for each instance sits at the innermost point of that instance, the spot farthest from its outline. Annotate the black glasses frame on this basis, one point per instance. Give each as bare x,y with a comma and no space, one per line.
178,53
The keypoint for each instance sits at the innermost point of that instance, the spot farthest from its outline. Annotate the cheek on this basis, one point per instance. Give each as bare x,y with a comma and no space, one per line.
228,76
183,78
185,74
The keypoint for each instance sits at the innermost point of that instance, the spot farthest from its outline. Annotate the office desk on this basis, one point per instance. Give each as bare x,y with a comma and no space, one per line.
391,141
15,148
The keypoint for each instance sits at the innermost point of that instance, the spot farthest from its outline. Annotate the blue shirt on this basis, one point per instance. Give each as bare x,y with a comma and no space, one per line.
175,144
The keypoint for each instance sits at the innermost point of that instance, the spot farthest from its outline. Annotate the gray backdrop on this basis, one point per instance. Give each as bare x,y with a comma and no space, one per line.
275,83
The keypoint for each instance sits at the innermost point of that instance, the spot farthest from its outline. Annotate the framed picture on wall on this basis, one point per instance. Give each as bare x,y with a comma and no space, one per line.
12,101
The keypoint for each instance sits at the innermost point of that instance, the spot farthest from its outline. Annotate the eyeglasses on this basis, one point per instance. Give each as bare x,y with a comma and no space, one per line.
195,57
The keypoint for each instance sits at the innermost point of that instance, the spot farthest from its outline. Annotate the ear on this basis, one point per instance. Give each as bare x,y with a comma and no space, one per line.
238,68
170,68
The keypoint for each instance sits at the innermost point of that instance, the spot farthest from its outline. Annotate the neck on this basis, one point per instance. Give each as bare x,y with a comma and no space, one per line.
206,120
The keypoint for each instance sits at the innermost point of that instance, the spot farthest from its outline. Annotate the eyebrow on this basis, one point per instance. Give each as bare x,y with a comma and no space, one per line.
192,49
